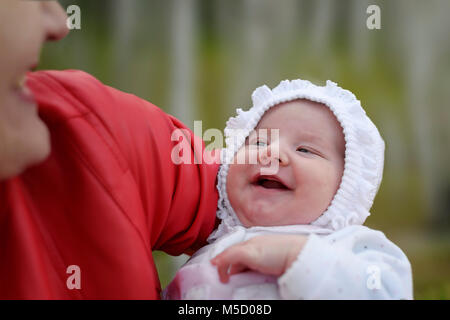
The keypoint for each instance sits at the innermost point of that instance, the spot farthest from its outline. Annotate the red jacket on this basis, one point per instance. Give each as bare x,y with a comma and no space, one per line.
106,197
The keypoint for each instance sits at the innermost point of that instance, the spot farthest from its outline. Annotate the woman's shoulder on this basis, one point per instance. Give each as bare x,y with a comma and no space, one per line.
72,93
80,105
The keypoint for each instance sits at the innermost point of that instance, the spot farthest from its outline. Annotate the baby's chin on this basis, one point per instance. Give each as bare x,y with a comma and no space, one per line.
268,219
279,224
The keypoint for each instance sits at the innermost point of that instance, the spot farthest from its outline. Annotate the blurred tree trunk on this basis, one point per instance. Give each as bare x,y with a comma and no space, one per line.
123,26
361,39
323,16
421,53
182,60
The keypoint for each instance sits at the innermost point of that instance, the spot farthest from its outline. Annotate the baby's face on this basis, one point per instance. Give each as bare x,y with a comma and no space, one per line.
309,148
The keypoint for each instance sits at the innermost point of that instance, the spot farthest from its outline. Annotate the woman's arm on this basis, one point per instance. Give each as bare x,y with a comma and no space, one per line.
127,143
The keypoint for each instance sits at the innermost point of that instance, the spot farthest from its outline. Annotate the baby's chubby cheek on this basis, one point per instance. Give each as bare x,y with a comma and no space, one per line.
239,190
320,187
236,180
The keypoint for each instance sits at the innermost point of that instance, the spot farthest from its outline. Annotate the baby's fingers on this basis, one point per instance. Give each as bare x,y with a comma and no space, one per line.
237,268
232,261
223,273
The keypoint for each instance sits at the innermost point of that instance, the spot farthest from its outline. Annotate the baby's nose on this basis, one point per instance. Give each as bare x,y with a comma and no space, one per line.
273,153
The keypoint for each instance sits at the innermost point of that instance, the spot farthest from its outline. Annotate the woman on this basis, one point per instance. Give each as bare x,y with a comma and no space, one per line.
86,178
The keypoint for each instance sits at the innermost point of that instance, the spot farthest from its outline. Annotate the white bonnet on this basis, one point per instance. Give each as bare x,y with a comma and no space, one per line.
364,152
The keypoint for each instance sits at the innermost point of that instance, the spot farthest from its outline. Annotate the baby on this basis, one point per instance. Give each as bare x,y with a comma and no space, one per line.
304,160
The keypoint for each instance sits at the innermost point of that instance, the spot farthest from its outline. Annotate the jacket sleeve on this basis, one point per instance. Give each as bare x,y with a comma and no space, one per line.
353,263
176,201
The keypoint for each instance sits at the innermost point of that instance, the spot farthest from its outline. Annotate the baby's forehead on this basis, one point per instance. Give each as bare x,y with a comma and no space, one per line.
301,114
306,119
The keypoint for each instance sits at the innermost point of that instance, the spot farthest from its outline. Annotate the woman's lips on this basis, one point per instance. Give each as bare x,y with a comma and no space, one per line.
22,91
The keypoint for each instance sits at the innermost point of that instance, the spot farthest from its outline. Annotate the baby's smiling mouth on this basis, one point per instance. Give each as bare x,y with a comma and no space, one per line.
270,182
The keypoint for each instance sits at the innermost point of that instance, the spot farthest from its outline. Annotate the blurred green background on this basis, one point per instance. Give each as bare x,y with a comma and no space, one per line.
201,59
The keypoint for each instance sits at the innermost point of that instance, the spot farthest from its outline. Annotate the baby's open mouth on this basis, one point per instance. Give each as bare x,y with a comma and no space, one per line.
270,182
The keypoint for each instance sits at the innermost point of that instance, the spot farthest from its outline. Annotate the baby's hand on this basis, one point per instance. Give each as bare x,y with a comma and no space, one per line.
268,254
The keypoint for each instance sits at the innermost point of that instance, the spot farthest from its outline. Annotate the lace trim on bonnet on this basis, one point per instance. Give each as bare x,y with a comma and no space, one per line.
364,155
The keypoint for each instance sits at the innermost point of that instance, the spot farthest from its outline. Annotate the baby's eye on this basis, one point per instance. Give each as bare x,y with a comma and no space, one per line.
303,150
260,143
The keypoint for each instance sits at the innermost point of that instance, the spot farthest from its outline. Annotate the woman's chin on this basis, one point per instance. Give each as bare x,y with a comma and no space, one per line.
41,145
34,149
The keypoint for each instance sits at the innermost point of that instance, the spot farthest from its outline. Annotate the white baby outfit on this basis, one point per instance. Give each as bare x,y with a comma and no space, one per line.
341,259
